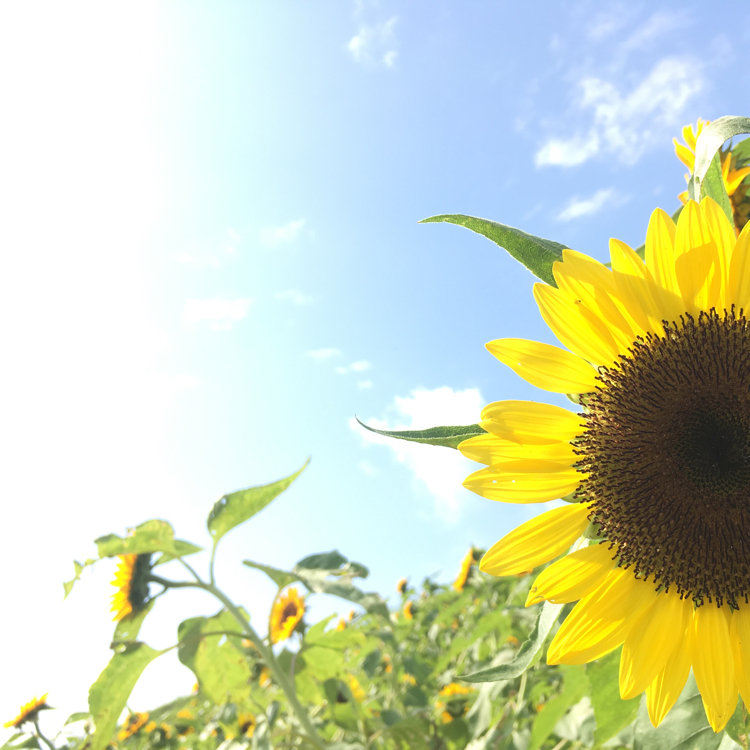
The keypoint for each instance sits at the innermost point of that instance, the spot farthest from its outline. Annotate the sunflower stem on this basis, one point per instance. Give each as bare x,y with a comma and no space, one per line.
281,679
41,736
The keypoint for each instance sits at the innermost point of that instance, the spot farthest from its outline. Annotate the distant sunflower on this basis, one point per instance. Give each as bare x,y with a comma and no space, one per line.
133,724
463,574
408,610
286,615
401,585
452,701
29,711
732,174
247,723
131,580
658,461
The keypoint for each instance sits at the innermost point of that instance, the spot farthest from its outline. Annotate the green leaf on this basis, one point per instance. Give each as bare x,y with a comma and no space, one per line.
128,628
448,437
574,687
237,507
536,253
611,712
709,142
109,694
685,726
713,187
280,577
78,569
181,549
150,536
218,661
741,151
527,654
738,726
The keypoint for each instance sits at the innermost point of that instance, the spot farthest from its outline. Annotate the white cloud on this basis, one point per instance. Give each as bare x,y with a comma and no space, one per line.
294,296
282,235
375,44
322,354
440,470
213,257
578,207
623,125
359,366
218,313
364,385
367,468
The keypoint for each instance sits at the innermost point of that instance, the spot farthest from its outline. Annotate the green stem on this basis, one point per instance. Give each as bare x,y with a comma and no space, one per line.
281,679
41,736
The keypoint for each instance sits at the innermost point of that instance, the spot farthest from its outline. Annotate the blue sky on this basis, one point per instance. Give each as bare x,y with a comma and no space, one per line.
212,263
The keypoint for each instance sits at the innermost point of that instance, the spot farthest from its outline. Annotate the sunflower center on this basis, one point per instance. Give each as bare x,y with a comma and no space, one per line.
666,451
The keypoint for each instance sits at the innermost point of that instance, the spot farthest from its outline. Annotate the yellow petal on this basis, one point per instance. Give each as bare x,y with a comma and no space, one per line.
578,328
537,541
660,254
738,292
651,641
572,577
531,422
696,261
713,664
739,633
666,687
524,482
545,366
490,449
724,239
601,620
684,154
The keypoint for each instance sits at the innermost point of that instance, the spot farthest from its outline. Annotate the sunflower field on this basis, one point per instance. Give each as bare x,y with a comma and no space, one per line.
620,618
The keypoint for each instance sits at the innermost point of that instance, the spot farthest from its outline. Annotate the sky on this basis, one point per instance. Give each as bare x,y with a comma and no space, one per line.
212,263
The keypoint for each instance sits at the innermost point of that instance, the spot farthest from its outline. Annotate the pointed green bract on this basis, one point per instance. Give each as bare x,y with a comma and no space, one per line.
709,142
536,253
447,437
218,661
150,536
527,654
713,186
237,507
109,694
128,628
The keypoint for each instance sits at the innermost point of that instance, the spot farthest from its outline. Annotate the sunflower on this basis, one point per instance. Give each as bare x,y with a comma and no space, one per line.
401,585
133,724
247,724
409,610
732,174
452,701
656,467
463,574
29,711
286,615
131,580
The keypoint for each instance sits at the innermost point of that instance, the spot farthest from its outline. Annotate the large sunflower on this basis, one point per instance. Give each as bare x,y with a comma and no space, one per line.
131,580
656,465
286,615
29,712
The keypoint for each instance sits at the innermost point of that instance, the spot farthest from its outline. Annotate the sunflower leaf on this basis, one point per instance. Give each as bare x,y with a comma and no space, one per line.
527,654
713,187
448,437
611,712
280,577
150,536
78,568
536,253
574,687
709,142
109,694
237,507
127,629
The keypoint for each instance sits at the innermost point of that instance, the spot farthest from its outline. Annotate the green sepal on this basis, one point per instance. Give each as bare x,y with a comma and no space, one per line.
528,653
447,437
536,253
237,507
109,694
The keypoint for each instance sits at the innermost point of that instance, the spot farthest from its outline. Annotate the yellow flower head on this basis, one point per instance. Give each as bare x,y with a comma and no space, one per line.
356,688
247,724
732,176
132,725
264,678
657,459
401,585
286,615
463,574
408,607
131,580
341,624
452,701
29,711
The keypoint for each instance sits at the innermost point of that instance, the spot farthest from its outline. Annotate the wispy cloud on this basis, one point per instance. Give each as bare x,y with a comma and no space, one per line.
219,314
212,257
438,470
375,44
321,355
293,296
282,235
578,207
359,366
364,385
624,125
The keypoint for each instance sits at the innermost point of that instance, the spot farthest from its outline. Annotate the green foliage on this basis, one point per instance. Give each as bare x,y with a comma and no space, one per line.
709,142
536,253
447,437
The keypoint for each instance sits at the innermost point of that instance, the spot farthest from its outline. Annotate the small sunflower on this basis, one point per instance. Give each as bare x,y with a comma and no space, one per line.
131,580
408,610
286,615
463,574
29,711
658,460
732,174
401,585
452,701
247,723
357,691
133,724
